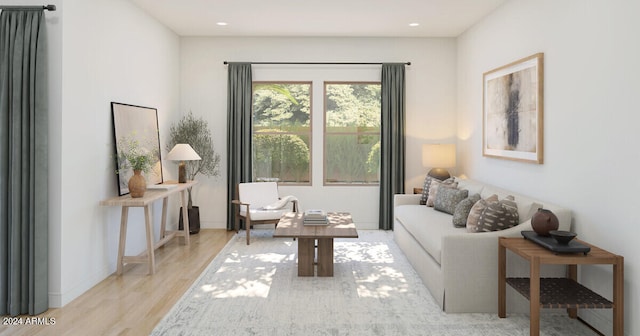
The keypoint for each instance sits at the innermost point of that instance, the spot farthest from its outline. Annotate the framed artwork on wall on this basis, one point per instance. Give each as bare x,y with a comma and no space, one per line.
135,126
513,111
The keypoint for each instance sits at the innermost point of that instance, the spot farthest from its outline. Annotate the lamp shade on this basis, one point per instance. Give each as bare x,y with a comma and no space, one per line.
439,155
183,152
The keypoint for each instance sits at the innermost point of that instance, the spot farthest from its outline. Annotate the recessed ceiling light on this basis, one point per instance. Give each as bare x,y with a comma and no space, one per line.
414,24
221,23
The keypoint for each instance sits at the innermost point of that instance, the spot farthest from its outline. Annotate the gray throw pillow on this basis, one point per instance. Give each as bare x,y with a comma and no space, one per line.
447,199
433,189
499,216
461,212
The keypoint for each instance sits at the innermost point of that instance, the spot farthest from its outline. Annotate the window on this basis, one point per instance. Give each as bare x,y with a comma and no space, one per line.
352,133
282,132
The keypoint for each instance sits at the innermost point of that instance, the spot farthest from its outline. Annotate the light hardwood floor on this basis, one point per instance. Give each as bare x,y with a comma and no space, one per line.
132,304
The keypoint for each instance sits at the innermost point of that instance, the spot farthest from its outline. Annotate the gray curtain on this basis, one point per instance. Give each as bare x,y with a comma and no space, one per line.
239,132
23,163
392,149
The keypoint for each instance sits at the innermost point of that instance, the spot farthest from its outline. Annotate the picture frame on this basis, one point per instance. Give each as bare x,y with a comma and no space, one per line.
140,124
512,121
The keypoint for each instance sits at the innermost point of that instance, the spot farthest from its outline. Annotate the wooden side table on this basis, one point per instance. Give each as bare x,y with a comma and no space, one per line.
150,196
559,292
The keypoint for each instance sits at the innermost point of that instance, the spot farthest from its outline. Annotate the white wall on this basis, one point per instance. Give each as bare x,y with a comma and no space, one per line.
110,51
430,104
591,54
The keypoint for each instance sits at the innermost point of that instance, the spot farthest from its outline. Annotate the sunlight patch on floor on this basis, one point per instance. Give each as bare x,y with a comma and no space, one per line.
372,285
257,288
369,252
271,257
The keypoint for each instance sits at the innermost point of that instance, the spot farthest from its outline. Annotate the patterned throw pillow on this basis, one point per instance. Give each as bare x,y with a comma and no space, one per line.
448,198
461,212
476,211
433,189
499,216
425,189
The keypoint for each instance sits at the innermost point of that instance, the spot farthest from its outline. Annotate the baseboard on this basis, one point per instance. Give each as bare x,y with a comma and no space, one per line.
59,299
367,225
212,225
55,300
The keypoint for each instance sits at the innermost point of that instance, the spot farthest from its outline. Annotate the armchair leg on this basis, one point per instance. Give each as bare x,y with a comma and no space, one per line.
247,222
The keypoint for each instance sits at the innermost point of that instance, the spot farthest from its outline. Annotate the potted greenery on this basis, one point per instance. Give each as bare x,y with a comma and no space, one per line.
131,155
195,132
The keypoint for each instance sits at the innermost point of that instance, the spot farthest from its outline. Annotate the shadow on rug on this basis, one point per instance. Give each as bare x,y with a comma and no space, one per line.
255,290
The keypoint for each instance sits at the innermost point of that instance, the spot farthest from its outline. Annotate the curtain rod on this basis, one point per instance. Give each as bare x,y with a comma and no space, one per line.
320,63
47,7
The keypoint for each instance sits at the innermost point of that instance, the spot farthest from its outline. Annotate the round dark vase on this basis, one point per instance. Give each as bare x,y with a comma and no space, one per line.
544,221
137,184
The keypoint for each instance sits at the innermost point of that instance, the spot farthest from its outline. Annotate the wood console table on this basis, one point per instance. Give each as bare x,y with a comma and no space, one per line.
150,196
559,292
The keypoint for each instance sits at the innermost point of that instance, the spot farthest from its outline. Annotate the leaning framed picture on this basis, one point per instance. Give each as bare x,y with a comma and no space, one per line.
513,111
135,129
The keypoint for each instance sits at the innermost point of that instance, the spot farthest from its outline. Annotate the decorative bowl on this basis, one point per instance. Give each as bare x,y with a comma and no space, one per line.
562,237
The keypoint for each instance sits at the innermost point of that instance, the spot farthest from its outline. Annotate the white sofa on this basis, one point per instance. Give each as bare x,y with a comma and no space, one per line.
460,268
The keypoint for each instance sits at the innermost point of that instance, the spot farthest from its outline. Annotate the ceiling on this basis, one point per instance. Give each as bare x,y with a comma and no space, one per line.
335,18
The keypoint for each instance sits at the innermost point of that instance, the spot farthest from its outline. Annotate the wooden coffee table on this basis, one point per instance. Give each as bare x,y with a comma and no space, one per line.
340,226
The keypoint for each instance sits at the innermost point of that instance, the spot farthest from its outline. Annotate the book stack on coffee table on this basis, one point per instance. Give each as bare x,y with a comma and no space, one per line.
315,217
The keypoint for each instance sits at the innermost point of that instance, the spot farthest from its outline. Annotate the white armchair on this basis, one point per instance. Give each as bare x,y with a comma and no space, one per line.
259,203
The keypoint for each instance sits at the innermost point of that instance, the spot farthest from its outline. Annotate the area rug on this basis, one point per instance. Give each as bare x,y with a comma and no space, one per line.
255,290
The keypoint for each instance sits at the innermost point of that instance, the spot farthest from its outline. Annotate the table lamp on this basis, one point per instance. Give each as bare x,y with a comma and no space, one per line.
438,157
182,153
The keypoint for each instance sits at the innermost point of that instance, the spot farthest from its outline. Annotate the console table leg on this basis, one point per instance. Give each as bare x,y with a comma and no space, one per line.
186,226
163,223
150,249
123,238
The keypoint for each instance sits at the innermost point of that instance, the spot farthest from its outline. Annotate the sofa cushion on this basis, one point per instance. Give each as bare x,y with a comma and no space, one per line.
526,208
473,186
435,185
498,216
476,211
461,212
448,198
